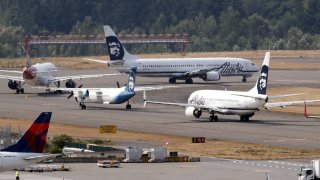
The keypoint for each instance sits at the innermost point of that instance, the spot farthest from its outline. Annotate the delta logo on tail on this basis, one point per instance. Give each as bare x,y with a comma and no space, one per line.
34,139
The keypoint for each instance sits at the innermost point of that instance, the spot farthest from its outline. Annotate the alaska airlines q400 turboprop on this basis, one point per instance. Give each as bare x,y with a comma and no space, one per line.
108,95
208,69
244,104
29,149
41,74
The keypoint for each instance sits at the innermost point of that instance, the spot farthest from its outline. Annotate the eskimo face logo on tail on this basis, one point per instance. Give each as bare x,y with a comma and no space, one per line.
263,80
116,51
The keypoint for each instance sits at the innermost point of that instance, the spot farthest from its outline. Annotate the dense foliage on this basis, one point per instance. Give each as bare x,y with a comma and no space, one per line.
213,24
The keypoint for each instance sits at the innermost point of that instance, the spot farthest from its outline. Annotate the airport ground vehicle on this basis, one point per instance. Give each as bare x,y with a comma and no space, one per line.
312,172
108,163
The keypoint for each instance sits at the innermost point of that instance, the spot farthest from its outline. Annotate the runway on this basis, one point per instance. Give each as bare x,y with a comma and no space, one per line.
265,127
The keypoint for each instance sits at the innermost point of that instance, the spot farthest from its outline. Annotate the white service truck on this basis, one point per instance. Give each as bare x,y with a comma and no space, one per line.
312,172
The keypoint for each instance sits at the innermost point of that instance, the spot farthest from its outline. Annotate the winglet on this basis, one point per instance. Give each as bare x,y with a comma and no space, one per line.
34,139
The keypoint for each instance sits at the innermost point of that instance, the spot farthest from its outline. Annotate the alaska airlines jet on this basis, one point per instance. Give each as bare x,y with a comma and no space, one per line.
244,104
108,95
41,74
208,69
29,149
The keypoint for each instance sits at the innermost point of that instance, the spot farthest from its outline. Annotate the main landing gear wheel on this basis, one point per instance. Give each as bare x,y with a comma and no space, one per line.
244,79
214,118
19,91
189,81
128,106
172,80
244,118
82,106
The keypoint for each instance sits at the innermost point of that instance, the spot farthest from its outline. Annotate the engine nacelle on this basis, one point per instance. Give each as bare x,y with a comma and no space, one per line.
70,84
211,76
12,85
189,111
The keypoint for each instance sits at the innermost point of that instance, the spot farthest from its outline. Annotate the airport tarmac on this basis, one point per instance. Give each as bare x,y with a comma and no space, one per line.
265,127
209,168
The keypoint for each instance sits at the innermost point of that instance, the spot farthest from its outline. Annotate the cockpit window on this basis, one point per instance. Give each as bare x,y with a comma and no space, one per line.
253,64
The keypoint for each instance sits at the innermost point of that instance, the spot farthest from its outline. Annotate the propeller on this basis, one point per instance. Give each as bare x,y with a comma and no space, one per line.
118,85
71,94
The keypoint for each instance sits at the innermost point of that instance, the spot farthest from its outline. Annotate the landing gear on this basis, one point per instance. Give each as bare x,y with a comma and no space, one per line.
58,92
128,106
189,81
213,118
82,106
246,117
244,79
19,90
172,80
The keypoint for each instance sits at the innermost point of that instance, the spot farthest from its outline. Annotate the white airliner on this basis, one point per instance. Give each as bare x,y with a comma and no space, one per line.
29,149
41,74
208,69
244,104
108,95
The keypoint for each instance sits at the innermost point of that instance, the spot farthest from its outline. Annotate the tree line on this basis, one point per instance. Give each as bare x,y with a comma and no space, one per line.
213,25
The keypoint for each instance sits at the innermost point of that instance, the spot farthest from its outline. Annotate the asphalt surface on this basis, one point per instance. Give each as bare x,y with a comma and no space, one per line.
264,128
207,169
282,129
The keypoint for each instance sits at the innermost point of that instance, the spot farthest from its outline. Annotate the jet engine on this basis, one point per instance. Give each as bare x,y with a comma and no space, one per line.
12,85
70,84
191,111
211,76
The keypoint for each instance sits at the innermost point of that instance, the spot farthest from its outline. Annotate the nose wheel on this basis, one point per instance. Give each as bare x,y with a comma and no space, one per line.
128,106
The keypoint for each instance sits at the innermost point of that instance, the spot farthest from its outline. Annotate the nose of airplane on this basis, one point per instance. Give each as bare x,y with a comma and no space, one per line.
29,73
255,68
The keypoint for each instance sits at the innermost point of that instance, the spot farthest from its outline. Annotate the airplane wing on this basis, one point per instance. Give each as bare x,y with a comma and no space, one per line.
65,78
41,157
11,71
197,106
96,60
150,88
14,78
285,104
199,72
285,95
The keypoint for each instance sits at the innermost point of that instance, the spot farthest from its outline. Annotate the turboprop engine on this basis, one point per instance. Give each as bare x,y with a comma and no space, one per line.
70,84
211,76
191,111
12,84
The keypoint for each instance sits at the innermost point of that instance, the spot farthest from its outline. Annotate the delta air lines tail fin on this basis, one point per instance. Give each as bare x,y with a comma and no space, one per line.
115,48
34,139
131,80
262,82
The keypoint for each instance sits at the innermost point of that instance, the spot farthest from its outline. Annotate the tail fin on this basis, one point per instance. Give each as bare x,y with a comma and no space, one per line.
115,48
131,80
34,139
262,82
26,49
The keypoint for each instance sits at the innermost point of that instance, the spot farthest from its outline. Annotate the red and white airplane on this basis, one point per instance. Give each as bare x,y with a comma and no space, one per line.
41,74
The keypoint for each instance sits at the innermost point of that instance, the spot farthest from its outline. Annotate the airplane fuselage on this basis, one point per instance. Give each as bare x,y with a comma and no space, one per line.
40,74
14,160
179,67
104,95
229,102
